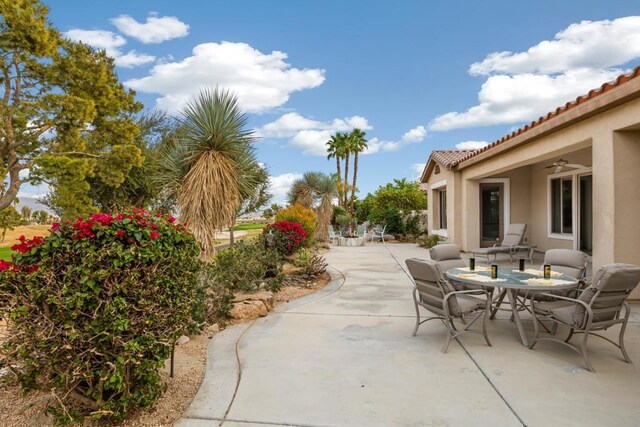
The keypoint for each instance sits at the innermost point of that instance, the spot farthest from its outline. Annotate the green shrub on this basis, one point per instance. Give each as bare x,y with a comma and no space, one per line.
391,217
305,217
429,241
312,265
95,308
247,266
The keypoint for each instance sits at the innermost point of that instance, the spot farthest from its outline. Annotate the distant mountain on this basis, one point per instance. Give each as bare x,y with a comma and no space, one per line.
33,203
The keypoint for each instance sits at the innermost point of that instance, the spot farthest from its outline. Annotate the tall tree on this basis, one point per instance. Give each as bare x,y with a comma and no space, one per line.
156,131
211,169
336,149
315,190
303,190
357,144
53,94
26,213
9,219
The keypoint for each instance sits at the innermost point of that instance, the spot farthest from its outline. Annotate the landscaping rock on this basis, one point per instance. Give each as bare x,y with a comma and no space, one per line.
182,340
213,329
265,297
249,310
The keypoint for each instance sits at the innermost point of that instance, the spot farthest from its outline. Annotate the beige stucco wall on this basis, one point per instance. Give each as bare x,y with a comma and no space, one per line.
610,138
432,200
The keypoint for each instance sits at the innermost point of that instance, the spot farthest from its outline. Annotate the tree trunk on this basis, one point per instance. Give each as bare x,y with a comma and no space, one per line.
355,175
339,185
345,189
231,235
9,196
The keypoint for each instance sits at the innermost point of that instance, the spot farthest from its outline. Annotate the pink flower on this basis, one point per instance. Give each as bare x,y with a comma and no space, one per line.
55,226
159,215
171,220
154,235
120,233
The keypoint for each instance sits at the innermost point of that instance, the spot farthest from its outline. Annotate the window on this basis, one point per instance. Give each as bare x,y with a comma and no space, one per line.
442,205
562,205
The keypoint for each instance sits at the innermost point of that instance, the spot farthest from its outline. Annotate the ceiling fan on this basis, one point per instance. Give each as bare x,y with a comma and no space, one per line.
561,164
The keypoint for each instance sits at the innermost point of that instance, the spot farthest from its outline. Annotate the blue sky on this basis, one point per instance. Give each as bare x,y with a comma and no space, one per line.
418,75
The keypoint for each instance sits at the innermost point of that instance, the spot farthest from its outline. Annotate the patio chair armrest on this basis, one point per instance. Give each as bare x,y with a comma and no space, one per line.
586,306
469,291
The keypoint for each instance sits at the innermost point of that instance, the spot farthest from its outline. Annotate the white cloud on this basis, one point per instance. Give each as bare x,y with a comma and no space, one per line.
412,136
587,44
417,169
308,134
261,81
526,85
98,39
279,184
111,43
416,134
134,59
155,30
471,145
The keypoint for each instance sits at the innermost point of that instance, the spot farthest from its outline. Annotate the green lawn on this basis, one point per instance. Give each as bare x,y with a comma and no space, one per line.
258,226
5,253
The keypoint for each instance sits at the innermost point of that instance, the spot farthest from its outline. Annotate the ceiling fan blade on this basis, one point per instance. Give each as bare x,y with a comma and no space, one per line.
574,166
549,167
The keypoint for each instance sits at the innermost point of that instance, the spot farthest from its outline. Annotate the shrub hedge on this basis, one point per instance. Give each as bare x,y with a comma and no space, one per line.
95,307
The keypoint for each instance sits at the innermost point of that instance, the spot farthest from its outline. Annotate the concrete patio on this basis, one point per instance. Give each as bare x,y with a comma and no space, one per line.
345,357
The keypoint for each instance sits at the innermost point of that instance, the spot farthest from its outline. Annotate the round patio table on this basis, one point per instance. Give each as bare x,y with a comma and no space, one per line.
512,280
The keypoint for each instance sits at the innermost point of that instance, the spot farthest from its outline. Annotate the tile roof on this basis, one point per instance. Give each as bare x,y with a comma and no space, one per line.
450,158
562,109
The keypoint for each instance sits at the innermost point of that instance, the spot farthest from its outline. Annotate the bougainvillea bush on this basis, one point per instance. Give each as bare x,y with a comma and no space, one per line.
288,236
307,218
95,307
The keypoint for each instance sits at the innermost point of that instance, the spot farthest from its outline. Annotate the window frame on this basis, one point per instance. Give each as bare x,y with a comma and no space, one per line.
574,175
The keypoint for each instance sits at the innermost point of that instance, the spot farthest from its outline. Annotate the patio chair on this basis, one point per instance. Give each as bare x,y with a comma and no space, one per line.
566,261
361,230
597,308
378,233
333,235
513,238
448,256
434,293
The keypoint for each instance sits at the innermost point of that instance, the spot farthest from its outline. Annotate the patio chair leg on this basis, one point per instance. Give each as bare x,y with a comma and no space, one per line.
624,351
415,330
570,335
585,355
484,326
498,303
448,341
554,328
536,331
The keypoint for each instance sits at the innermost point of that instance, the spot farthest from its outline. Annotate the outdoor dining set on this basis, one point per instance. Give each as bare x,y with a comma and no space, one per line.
559,293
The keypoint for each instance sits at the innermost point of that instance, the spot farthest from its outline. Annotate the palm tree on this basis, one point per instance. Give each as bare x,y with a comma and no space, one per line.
212,168
336,149
315,190
357,144
303,190
325,192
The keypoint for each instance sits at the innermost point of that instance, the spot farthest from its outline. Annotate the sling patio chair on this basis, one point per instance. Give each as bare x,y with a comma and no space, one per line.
566,261
448,256
378,233
513,238
597,308
333,235
434,293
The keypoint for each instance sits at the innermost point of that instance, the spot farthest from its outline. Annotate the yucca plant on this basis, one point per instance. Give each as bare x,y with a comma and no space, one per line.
315,190
213,166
